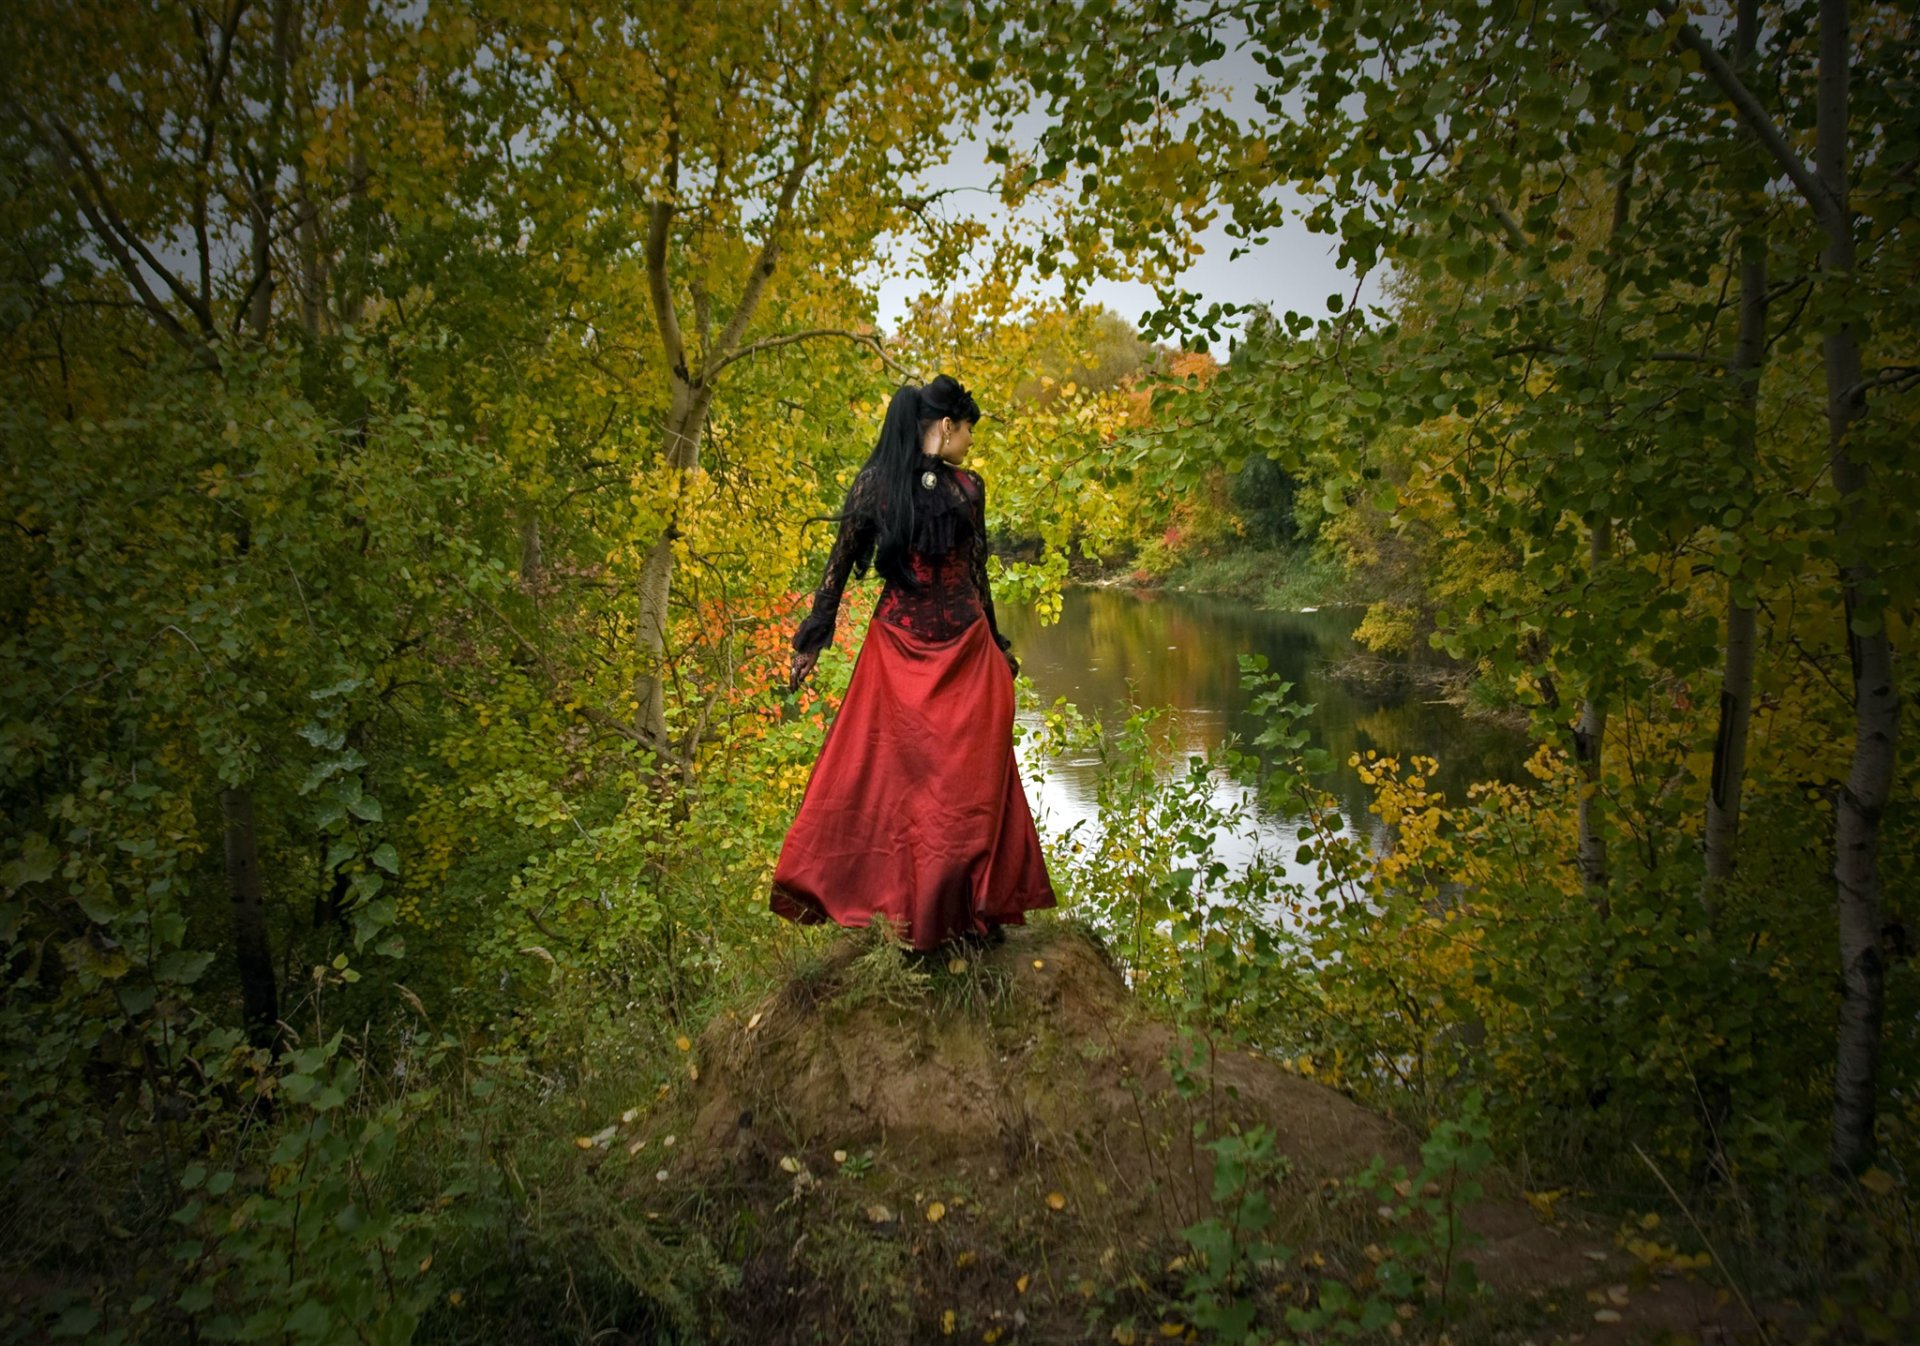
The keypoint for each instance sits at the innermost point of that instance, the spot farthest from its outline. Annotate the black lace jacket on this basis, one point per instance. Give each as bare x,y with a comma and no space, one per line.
948,562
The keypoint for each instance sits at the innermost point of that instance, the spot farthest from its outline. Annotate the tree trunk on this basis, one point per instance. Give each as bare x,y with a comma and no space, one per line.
1722,833
686,427
1863,796
259,994
1589,740
266,186
531,555
1730,747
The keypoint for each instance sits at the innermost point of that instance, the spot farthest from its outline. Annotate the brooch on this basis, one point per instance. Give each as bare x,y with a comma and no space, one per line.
927,479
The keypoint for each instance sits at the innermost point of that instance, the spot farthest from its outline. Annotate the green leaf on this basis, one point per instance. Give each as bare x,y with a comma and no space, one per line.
99,908
387,858
181,966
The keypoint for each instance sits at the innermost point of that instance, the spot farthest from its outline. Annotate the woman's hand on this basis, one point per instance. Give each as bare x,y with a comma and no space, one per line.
802,669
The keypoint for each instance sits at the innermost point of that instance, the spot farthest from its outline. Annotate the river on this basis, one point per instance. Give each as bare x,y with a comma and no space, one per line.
1114,649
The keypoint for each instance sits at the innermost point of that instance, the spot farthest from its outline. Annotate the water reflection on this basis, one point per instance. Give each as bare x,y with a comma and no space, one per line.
1114,649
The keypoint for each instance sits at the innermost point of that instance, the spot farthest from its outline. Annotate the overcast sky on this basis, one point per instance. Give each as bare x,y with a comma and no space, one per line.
1294,270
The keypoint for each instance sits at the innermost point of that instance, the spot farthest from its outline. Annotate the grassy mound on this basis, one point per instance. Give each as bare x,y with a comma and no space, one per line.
991,1144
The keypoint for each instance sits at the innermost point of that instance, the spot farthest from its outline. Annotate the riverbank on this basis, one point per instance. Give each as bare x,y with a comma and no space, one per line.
1290,579
1301,578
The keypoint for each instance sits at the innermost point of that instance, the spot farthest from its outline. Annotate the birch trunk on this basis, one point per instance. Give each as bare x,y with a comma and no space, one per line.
1862,798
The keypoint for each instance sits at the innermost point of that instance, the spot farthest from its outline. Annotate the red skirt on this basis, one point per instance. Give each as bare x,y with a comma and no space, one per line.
914,812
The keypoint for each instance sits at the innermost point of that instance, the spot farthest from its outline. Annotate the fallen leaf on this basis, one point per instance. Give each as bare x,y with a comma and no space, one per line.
992,1334
628,1117
967,1258
454,1297
1172,1329
661,1176
1617,1294
1057,1200
957,966
1039,963
754,1021
693,1071
1607,1316
946,1323
667,1144
879,1214
1124,1335
839,1156
583,1142
936,1212
637,1146
604,1136
788,1164
684,1043
1020,1286
426,1262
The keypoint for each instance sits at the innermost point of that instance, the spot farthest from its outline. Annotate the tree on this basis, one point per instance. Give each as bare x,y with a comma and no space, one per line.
1442,138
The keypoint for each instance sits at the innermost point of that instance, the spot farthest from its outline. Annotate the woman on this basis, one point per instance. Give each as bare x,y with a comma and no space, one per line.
914,813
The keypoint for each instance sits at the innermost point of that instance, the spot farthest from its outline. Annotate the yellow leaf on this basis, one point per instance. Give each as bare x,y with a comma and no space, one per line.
1878,1181
1039,962
583,1142
1020,1286
966,1259
1172,1329
454,1297
957,966
946,1323
1124,1335
936,1212
683,1043
1651,1220
992,1334
1057,1200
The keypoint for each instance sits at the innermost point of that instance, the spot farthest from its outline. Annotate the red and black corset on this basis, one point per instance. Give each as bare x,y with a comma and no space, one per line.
947,564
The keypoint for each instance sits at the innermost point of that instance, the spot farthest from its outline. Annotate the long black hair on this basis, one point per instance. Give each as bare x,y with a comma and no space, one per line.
888,487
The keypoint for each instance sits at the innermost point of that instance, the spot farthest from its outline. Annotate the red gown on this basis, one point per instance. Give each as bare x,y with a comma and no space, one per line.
914,812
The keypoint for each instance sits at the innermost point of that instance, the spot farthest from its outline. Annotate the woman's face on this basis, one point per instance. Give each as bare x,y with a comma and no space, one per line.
950,439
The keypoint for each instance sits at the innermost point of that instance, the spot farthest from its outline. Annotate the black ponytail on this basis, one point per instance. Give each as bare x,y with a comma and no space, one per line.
888,487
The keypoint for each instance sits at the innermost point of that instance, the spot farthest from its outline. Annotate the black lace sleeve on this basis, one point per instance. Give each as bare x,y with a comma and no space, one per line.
979,562
853,544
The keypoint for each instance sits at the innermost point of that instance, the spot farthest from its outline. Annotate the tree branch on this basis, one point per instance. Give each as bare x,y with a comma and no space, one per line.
659,222
1753,114
867,339
76,153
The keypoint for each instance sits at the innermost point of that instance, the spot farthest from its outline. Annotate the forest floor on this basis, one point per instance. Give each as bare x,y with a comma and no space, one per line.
990,1145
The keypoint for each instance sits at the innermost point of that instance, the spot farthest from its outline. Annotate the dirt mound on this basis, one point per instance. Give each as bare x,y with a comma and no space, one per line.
996,1144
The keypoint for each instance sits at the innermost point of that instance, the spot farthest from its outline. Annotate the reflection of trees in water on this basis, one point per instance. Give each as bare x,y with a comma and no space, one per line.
1110,650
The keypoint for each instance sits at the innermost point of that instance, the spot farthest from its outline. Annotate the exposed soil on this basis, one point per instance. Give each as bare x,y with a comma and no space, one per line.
896,1149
